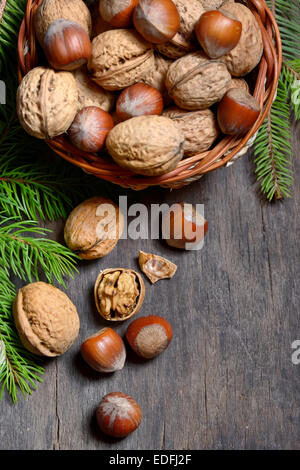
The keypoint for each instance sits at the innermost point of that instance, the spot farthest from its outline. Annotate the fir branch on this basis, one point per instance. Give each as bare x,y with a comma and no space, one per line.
273,149
18,367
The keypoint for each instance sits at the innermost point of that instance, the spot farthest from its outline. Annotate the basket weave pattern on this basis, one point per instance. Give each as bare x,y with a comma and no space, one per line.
189,169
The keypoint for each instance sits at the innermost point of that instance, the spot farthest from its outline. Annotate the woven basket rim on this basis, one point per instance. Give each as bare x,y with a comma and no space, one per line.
189,168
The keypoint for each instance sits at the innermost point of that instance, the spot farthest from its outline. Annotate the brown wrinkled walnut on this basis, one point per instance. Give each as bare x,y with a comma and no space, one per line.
93,228
119,293
47,102
214,4
156,267
157,75
91,94
196,82
51,10
247,54
147,145
185,40
239,83
46,319
199,128
120,58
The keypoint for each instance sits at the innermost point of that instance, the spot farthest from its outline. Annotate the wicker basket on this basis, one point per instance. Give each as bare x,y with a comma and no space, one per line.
189,169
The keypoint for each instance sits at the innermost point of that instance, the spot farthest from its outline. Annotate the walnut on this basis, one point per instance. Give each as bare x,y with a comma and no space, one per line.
51,10
46,319
119,293
213,4
247,54
120,58
93,228
47,102
157,75
199,128
239,83
148,145
156,267
197,82
185,40
91,94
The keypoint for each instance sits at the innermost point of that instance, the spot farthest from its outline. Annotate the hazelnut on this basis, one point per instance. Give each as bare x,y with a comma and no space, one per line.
156,20
149,336
139,100
248,52
197,82
119,293
104,351
67,45
51,10
237,112
148,145
118,415
118,13
91,94
120,58
183,227
156,267
46,319
200,128
218,32
47,102
93,228
90,128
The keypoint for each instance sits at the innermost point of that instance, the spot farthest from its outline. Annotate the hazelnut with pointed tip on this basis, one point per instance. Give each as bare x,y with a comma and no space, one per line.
104,351
118,13
118,415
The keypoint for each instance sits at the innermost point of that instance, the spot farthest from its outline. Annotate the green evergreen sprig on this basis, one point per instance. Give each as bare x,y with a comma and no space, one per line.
273,150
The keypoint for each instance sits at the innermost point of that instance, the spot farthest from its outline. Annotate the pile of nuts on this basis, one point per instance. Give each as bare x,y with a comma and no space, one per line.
149,81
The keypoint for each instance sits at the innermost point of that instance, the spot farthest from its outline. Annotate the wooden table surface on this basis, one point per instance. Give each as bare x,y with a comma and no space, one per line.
227,380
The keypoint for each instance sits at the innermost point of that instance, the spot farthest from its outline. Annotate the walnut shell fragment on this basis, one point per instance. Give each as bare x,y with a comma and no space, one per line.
119,293
46,319
120,58
197,82
184,40
51,10
91,94
93,228
156,267
248,52
200,128
47,102
147,145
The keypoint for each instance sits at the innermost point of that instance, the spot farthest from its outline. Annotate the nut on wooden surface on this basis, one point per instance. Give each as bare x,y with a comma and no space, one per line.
93,228
119,293
120,58
91,94
156,267
248,52
51,10
196,82
46,319
200,128
47,102
147,145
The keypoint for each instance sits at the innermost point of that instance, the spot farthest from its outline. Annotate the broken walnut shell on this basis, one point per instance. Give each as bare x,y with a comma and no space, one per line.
119,293
156,267
93,228
46,319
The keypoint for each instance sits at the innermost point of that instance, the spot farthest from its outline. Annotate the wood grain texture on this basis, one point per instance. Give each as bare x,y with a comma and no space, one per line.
227,380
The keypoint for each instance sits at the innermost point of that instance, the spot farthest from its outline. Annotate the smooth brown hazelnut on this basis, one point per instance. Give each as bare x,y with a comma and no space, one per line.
156,20
139,100
218,32
104,351
118,415
183,227
237,112
67,45
149,336
90,128
118,13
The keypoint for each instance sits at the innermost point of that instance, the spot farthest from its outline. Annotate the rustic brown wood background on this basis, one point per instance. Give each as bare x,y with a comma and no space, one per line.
227,380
